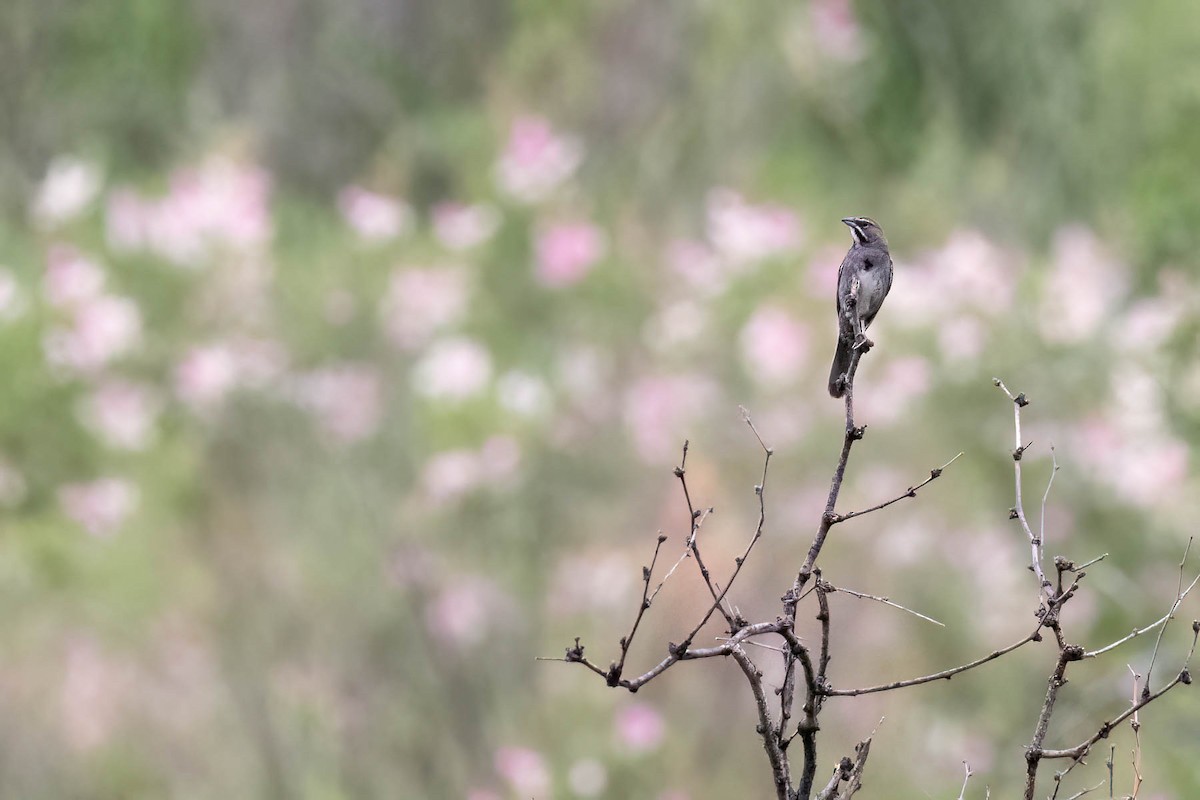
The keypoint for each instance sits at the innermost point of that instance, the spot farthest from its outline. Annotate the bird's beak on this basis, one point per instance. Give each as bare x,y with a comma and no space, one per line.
848,221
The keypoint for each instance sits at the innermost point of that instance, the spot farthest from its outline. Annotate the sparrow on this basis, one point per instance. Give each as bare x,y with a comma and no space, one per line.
864,279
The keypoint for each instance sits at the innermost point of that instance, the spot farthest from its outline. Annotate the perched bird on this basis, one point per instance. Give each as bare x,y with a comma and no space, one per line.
864,279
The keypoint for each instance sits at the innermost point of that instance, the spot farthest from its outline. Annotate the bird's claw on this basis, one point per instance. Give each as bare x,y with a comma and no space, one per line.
862,343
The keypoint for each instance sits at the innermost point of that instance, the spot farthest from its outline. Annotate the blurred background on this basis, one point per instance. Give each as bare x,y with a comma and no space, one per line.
349,346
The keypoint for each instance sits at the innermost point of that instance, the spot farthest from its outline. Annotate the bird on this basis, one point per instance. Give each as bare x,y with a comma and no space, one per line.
864,279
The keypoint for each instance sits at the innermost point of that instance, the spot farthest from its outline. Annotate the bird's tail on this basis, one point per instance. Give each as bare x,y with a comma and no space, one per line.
841,363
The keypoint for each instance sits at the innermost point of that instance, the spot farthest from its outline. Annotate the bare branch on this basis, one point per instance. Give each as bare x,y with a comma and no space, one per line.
885,601
1138,632
1046,495
1018,511
1170,615
937,676
850,436
1080,750
966,777
693,545
1088,790
765,729
614,672
1136,725
911,491
760,491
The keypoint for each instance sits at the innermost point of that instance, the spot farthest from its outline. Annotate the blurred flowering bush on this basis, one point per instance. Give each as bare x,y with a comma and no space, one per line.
318,427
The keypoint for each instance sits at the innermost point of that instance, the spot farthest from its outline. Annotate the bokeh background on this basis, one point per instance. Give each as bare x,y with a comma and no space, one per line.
348,348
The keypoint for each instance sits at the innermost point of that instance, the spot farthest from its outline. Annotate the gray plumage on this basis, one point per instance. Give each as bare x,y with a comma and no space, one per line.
864,279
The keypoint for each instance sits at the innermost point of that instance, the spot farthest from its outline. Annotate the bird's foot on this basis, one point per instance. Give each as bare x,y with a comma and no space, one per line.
862,343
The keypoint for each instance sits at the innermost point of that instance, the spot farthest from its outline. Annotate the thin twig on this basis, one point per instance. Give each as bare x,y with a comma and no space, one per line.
1088,790
1140,631
885,601
1080,750
1136,726
1046,495
937,676
1170,615
687,552
1018,511
760,491
966,777
626,642
693,545
911,491
775,754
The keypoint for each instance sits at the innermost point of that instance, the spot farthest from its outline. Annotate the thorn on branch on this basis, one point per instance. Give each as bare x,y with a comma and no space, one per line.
858,432
935,473
679,472
1021,400
1185,677
1012,514
575,653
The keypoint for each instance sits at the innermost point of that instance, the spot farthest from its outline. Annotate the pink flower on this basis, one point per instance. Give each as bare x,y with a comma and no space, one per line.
12,299
836,29
820,278
660,410
743,232
523,394
453,369
346,400
675,325
774,346
499,459
1084,283
961,339
100,507
421,302
374,217
205,375
122,414
450,475
71,278
466,612
219,205
640,728
591,582
70,185
698,265
91,695
968,273
524,769
536,160
1147,325
904,380
461,227
567,252
587,777
103,329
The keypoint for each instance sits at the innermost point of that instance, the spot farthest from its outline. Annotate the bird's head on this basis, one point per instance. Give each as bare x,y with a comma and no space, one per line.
865,230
